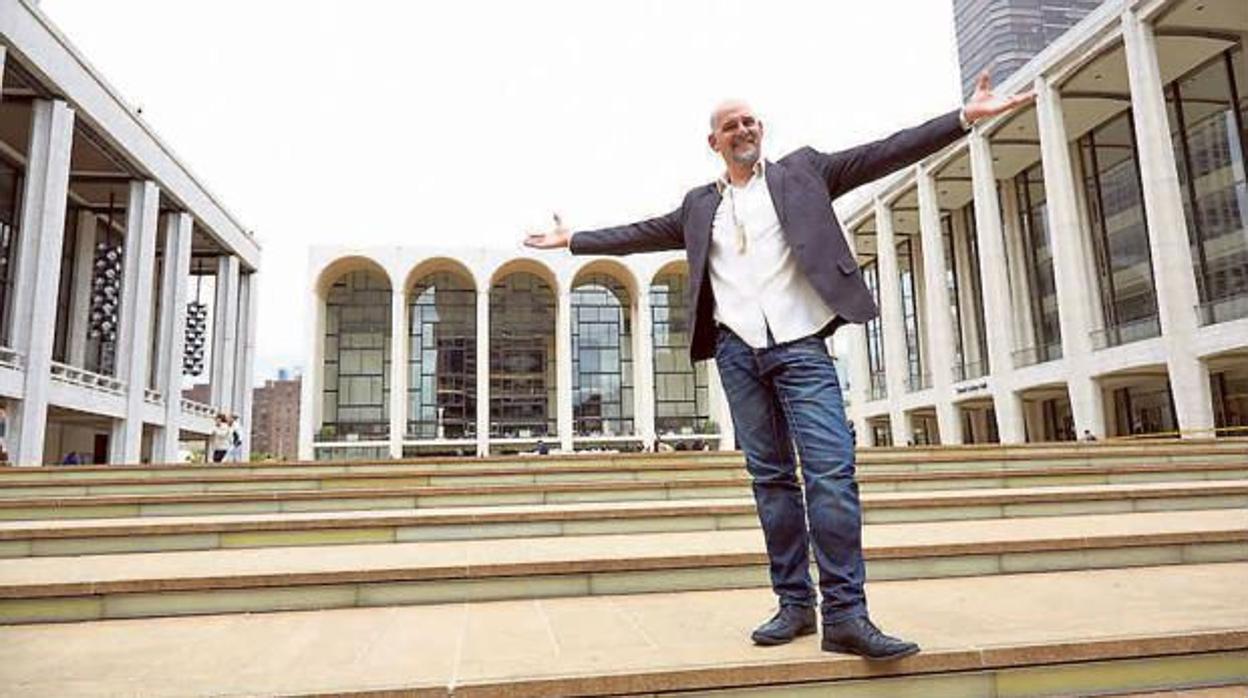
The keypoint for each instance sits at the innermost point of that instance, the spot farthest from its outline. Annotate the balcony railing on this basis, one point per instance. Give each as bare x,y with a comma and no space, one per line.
87,379
198,409
1126,332
969,370
10,359
1223,310
916,382
155,397
1037,355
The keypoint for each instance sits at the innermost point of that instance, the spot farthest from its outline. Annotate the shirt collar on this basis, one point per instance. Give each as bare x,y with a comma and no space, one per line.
760,170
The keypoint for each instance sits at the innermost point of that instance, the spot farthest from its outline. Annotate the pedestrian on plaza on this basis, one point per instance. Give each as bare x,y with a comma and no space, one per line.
770,278
219,439
235,451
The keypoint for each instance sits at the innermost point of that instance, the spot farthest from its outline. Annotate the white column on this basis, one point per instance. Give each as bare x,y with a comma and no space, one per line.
643,369
483,371
1177,296
175,279
399,338
224,327
996,290
242,381
38,271
563,371
939,325
135,322
84,270
1066,237
310,385
896,366
247,360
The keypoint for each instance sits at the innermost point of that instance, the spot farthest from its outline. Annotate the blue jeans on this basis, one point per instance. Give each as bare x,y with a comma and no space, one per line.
783,395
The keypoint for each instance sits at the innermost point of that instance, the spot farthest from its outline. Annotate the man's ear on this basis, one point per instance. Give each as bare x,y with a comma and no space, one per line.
710,140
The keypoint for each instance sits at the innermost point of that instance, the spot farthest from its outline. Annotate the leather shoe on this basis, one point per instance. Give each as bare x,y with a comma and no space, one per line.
860,636
788,623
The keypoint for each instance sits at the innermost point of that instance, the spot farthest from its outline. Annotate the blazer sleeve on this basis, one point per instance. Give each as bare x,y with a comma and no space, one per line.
849,169
652,235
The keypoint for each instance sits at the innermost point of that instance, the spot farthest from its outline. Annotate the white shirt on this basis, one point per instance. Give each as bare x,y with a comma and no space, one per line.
759,286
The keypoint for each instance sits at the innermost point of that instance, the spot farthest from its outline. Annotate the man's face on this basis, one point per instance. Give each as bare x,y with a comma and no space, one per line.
737,134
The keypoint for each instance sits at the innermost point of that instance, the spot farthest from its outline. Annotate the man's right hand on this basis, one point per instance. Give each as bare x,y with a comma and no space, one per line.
558,236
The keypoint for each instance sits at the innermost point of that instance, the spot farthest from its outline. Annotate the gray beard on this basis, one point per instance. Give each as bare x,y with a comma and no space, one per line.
748,158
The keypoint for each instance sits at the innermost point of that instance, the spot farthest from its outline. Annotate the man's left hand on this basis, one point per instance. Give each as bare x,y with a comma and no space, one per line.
984,103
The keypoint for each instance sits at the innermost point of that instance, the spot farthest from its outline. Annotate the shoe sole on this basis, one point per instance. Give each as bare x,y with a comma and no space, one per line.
764,641
878,658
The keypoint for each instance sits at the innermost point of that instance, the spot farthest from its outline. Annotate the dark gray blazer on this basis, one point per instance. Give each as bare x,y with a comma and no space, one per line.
803,185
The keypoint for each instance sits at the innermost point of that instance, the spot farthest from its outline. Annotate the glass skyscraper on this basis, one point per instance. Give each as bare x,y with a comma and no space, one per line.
1002,35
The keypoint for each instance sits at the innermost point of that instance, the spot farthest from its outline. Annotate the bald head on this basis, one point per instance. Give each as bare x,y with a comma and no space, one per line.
726,107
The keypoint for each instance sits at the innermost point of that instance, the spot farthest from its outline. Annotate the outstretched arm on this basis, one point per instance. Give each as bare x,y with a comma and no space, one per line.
652,235
848,169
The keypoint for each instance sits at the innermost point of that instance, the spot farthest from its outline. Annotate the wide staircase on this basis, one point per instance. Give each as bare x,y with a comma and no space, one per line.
1088,569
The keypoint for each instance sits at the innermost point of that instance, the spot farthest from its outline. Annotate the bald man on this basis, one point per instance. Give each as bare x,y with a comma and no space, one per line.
770,278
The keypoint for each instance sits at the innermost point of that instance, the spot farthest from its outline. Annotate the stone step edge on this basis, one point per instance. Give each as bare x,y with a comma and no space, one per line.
869,455
589,486
52,529
836,668
569,566
206,475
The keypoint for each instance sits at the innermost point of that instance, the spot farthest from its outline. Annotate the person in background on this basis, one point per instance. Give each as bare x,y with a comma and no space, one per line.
219,439
235,452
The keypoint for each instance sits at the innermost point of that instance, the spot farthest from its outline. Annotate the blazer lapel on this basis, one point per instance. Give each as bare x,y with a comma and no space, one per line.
775,175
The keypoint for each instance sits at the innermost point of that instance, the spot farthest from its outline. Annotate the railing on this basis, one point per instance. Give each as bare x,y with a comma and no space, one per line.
916,382
969,370
198,409
1037,354
87,379
1223,310
1126,332
10,359
155,397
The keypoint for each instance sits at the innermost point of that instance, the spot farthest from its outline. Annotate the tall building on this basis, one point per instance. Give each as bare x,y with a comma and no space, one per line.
275,418
1079,266
1002,35
106,242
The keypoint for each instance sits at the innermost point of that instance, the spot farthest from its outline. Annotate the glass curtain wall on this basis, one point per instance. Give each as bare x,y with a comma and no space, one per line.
1033,221
522,357
1208,109
10,216
915,379
681,389
442,358
602,357
1119,233
952,286
974,281
875,336
357,358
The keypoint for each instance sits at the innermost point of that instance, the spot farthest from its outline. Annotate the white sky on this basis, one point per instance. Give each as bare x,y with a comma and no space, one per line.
372,122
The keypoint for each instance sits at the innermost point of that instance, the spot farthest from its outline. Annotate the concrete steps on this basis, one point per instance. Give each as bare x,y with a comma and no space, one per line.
1069,633
270,579
160,534
1049,570
606,487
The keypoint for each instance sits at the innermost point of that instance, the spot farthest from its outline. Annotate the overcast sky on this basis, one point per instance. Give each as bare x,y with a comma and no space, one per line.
371,122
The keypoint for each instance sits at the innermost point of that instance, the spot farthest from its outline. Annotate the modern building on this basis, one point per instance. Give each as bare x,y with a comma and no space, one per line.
275,418
1002,35
119,270
1080,266
447,350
